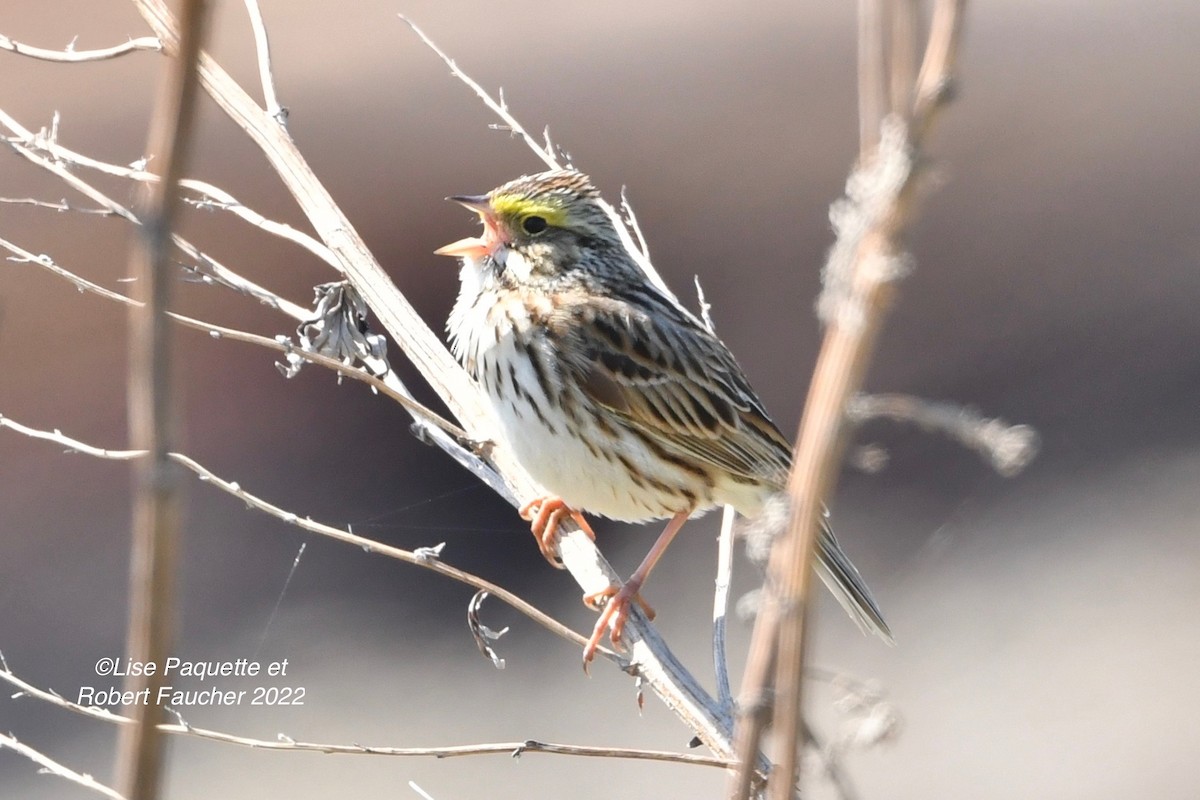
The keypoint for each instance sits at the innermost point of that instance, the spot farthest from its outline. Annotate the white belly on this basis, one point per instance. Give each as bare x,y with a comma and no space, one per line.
560,458
596,466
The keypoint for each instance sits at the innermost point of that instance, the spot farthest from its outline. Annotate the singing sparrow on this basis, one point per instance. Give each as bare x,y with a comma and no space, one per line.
613,396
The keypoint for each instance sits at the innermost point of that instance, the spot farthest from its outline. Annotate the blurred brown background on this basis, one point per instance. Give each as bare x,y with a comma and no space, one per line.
1047,627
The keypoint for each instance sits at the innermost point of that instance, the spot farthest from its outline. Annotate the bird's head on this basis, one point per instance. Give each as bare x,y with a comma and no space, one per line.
538,228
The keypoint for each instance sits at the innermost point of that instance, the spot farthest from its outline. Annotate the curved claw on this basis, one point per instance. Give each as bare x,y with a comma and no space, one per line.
545,514
615,611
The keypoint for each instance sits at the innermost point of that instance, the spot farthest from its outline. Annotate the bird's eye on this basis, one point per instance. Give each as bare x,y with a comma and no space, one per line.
534,224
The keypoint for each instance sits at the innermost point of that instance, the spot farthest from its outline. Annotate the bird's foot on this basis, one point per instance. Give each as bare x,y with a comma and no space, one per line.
613,604
545,514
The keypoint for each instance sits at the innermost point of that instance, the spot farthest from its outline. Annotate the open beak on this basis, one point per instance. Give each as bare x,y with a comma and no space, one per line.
474,246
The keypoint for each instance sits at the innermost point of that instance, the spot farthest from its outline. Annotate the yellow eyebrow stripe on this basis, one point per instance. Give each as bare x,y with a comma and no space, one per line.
518,207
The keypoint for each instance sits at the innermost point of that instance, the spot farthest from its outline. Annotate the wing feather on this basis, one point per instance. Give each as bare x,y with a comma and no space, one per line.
660,372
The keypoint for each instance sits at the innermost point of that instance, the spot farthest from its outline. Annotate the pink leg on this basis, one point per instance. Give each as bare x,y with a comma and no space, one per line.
616,610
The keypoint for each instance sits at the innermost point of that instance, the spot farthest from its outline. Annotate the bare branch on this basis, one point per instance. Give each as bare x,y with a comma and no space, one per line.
1008,448
52,767
32,146
721,606
498,107
71,55
215,197
345,536
935,81
287,744
45,262
265,74
724,540
60,206
424,794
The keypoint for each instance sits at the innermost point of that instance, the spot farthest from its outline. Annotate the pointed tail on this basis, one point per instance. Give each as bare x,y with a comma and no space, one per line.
834,568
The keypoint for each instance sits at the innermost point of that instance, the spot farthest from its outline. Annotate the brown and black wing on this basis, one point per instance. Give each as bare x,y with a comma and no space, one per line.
662,374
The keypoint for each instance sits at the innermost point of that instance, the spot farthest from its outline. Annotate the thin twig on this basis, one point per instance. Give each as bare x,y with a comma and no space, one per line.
1008,448
153,418
31,147
52,767
287,744
724,575
45,262
721,606
935,81
71,55
266,75
210,196
215,197
498,107
424,795
61,206
291,518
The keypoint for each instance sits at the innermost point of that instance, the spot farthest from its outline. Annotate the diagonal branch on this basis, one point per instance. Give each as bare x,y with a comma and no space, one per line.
52,767
73,56
416,558
31,146
285,743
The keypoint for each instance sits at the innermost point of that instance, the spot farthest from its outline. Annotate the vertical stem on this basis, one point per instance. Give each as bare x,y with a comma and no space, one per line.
903,72
840,366
872,76
778,643
941,53
721,607
153,418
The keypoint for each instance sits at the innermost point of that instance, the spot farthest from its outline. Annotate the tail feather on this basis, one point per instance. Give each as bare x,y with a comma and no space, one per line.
839,574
